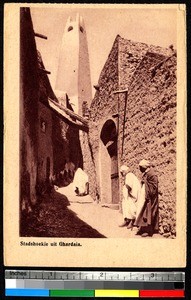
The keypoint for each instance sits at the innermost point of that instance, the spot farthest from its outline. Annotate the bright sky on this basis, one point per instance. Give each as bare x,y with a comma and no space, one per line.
152,26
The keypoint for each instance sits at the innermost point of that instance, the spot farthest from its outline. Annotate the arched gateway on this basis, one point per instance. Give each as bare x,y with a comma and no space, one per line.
109,177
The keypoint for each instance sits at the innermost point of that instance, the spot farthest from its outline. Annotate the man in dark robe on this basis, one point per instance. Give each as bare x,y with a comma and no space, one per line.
147,218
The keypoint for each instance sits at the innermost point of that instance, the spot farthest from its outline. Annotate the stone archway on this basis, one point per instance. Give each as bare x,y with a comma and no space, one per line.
108,160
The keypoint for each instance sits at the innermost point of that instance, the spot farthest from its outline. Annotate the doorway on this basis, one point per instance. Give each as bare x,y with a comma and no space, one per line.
108,160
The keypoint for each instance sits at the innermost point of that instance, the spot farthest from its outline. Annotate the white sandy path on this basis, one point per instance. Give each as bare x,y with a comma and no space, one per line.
103,219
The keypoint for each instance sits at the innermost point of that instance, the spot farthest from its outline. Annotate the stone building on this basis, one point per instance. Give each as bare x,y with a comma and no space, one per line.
133,116
49,129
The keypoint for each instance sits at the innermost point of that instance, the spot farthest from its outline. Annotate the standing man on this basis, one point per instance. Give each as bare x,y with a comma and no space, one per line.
131,189
147,218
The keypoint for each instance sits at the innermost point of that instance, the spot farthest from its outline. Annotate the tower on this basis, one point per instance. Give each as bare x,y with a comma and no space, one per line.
73,75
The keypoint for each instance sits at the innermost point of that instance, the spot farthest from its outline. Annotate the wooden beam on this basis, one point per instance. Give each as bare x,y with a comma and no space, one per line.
69,112
40,35
120,91
62,115
44,71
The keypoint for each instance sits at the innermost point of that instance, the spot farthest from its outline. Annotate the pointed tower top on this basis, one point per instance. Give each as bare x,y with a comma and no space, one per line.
73,23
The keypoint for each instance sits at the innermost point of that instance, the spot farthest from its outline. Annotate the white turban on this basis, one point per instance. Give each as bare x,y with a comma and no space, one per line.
144,163
124,168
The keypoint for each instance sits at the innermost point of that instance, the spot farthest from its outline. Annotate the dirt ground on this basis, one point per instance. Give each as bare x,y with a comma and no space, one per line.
63,214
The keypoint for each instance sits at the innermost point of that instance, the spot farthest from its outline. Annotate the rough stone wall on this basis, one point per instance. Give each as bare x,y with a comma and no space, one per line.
146,116
103,103
130,56
150,129
103,106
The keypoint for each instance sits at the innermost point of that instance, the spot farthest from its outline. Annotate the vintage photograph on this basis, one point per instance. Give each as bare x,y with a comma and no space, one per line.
95,135
98,93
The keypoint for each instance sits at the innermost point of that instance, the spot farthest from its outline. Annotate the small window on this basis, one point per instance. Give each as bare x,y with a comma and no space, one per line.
70,28
81,29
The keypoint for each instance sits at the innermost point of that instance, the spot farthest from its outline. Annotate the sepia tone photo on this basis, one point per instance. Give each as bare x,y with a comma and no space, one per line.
98,131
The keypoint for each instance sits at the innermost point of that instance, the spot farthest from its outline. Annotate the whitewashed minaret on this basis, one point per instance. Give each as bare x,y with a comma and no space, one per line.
73,76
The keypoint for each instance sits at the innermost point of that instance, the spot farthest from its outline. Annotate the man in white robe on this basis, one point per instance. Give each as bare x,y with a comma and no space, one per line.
131,190
80,183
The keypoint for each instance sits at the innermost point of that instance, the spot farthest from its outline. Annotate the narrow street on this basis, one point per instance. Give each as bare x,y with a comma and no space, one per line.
103,219
63,214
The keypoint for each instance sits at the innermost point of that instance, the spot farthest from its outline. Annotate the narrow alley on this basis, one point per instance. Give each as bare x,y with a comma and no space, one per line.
63,214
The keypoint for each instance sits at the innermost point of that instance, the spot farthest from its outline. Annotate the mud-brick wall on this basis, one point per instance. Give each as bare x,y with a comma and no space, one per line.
130,56
29,93
45,150
104,102
150,129
103,106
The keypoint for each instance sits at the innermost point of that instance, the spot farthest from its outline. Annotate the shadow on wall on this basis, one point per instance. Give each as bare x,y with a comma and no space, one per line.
75,151
64,177
67,153
52,218
29,95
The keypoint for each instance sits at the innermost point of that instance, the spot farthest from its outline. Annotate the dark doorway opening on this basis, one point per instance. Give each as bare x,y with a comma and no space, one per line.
109,175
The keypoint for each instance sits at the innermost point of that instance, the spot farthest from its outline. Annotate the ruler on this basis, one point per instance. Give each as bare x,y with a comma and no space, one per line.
94,284
104,276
